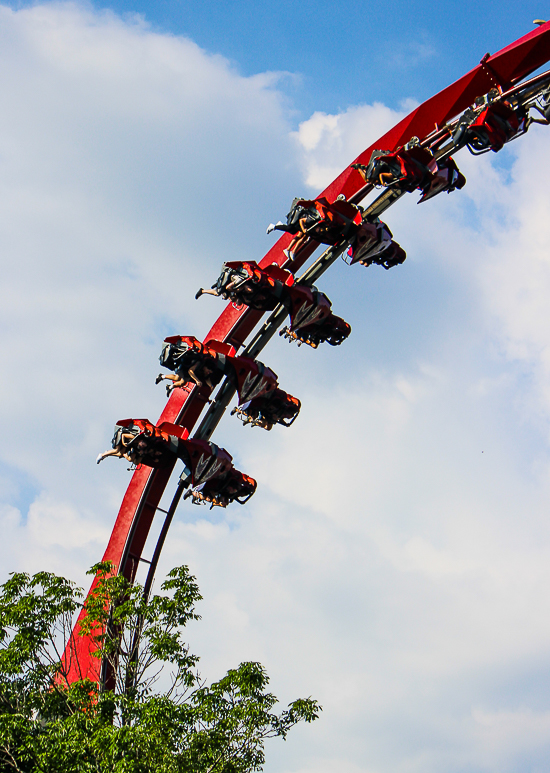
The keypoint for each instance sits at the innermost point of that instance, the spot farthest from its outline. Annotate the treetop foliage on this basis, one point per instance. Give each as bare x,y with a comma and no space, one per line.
127,724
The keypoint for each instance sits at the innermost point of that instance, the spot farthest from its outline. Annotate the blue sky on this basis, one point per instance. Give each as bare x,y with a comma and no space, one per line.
395,561
344,53
350,51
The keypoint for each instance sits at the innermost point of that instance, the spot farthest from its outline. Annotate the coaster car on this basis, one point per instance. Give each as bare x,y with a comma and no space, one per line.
303,214
156,446
276,408
373,243
306,305
394,255
250,377
232,486
256,384
447,177
208,468
407,168
412,167
490,129
247,283
261,402
326,223
308,309
333,330
141,442
191,361
311,319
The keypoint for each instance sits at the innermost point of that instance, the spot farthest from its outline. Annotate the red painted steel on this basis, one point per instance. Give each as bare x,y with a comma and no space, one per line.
235,323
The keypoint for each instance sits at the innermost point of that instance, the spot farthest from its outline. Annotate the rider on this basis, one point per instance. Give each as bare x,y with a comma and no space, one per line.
179,377
303,215
121,449
229,279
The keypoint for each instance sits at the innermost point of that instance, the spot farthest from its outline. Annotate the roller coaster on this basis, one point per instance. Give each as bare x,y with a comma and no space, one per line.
493,104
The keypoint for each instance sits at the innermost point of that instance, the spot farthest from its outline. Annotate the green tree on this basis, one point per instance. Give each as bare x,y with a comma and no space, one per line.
128,725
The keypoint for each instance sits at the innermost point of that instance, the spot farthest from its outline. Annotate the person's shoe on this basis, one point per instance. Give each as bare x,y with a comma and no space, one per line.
99,458
270,227
198,293
288,254
158,378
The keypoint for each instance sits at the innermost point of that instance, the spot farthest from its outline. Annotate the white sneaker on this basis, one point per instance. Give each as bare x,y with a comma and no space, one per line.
270,227
288,254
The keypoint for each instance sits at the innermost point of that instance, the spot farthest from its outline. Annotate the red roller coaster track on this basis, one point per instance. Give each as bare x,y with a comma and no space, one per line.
504,71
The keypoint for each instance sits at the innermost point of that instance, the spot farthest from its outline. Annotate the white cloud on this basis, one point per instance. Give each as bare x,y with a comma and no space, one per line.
53,534
126,160
515,275
394,562
330,142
